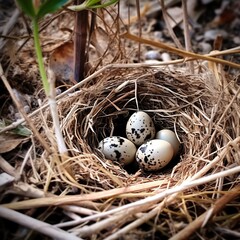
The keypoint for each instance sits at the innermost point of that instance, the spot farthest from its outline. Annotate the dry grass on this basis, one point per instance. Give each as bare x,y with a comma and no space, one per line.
196,195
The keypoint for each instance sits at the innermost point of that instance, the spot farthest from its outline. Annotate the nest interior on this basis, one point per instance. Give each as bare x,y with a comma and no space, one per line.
178,101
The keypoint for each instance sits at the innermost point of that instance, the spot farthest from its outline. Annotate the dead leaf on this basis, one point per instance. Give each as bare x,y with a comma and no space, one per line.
175,16
62,63
8,142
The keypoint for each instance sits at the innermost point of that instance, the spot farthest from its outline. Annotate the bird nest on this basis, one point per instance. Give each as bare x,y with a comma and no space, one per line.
101,198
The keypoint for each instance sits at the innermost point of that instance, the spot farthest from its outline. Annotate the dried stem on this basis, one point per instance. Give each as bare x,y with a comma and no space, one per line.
36,225
178,51
208,215
170,30
187,38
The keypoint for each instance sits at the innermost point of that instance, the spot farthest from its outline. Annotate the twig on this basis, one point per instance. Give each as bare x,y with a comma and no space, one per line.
111,220
6,167
118,234
36,225
207,216
188,45
26,158
170,30
139,28
228,232
178,51
64,200
87,231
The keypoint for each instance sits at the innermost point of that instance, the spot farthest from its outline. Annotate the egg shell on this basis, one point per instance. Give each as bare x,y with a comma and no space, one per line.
154,155
118,149
169,136
140,128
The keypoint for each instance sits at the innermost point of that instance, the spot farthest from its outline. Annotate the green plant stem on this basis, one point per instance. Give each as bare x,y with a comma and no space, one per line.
37,45
79,7
49,90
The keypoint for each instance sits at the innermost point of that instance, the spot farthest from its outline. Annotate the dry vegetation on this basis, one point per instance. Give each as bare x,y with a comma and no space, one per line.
86,196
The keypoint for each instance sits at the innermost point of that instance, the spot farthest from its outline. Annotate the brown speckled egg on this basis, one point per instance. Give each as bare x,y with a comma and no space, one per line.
154,155
140,128
118,149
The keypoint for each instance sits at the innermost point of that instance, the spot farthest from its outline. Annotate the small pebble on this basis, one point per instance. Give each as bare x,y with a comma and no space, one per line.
213,33
152,55
236,40
26,109
158,35
205,47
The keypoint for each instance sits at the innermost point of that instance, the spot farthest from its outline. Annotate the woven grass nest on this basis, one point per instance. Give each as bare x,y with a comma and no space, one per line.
195,196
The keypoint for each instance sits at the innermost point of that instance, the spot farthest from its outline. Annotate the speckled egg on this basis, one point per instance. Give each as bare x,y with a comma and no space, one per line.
169,136
154,155
140,128
118,149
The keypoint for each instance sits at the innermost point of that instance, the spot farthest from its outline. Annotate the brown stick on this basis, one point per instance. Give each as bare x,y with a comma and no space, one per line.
80,42
169,28
139,28
208,215
187,38
180,52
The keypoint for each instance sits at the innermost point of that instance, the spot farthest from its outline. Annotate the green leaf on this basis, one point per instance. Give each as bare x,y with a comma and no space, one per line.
90,3
22,131
50,6
27,7
19,130
102,5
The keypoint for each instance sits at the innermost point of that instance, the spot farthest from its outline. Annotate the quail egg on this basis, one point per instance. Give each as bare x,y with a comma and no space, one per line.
118,149
140,128
154,155
170,137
